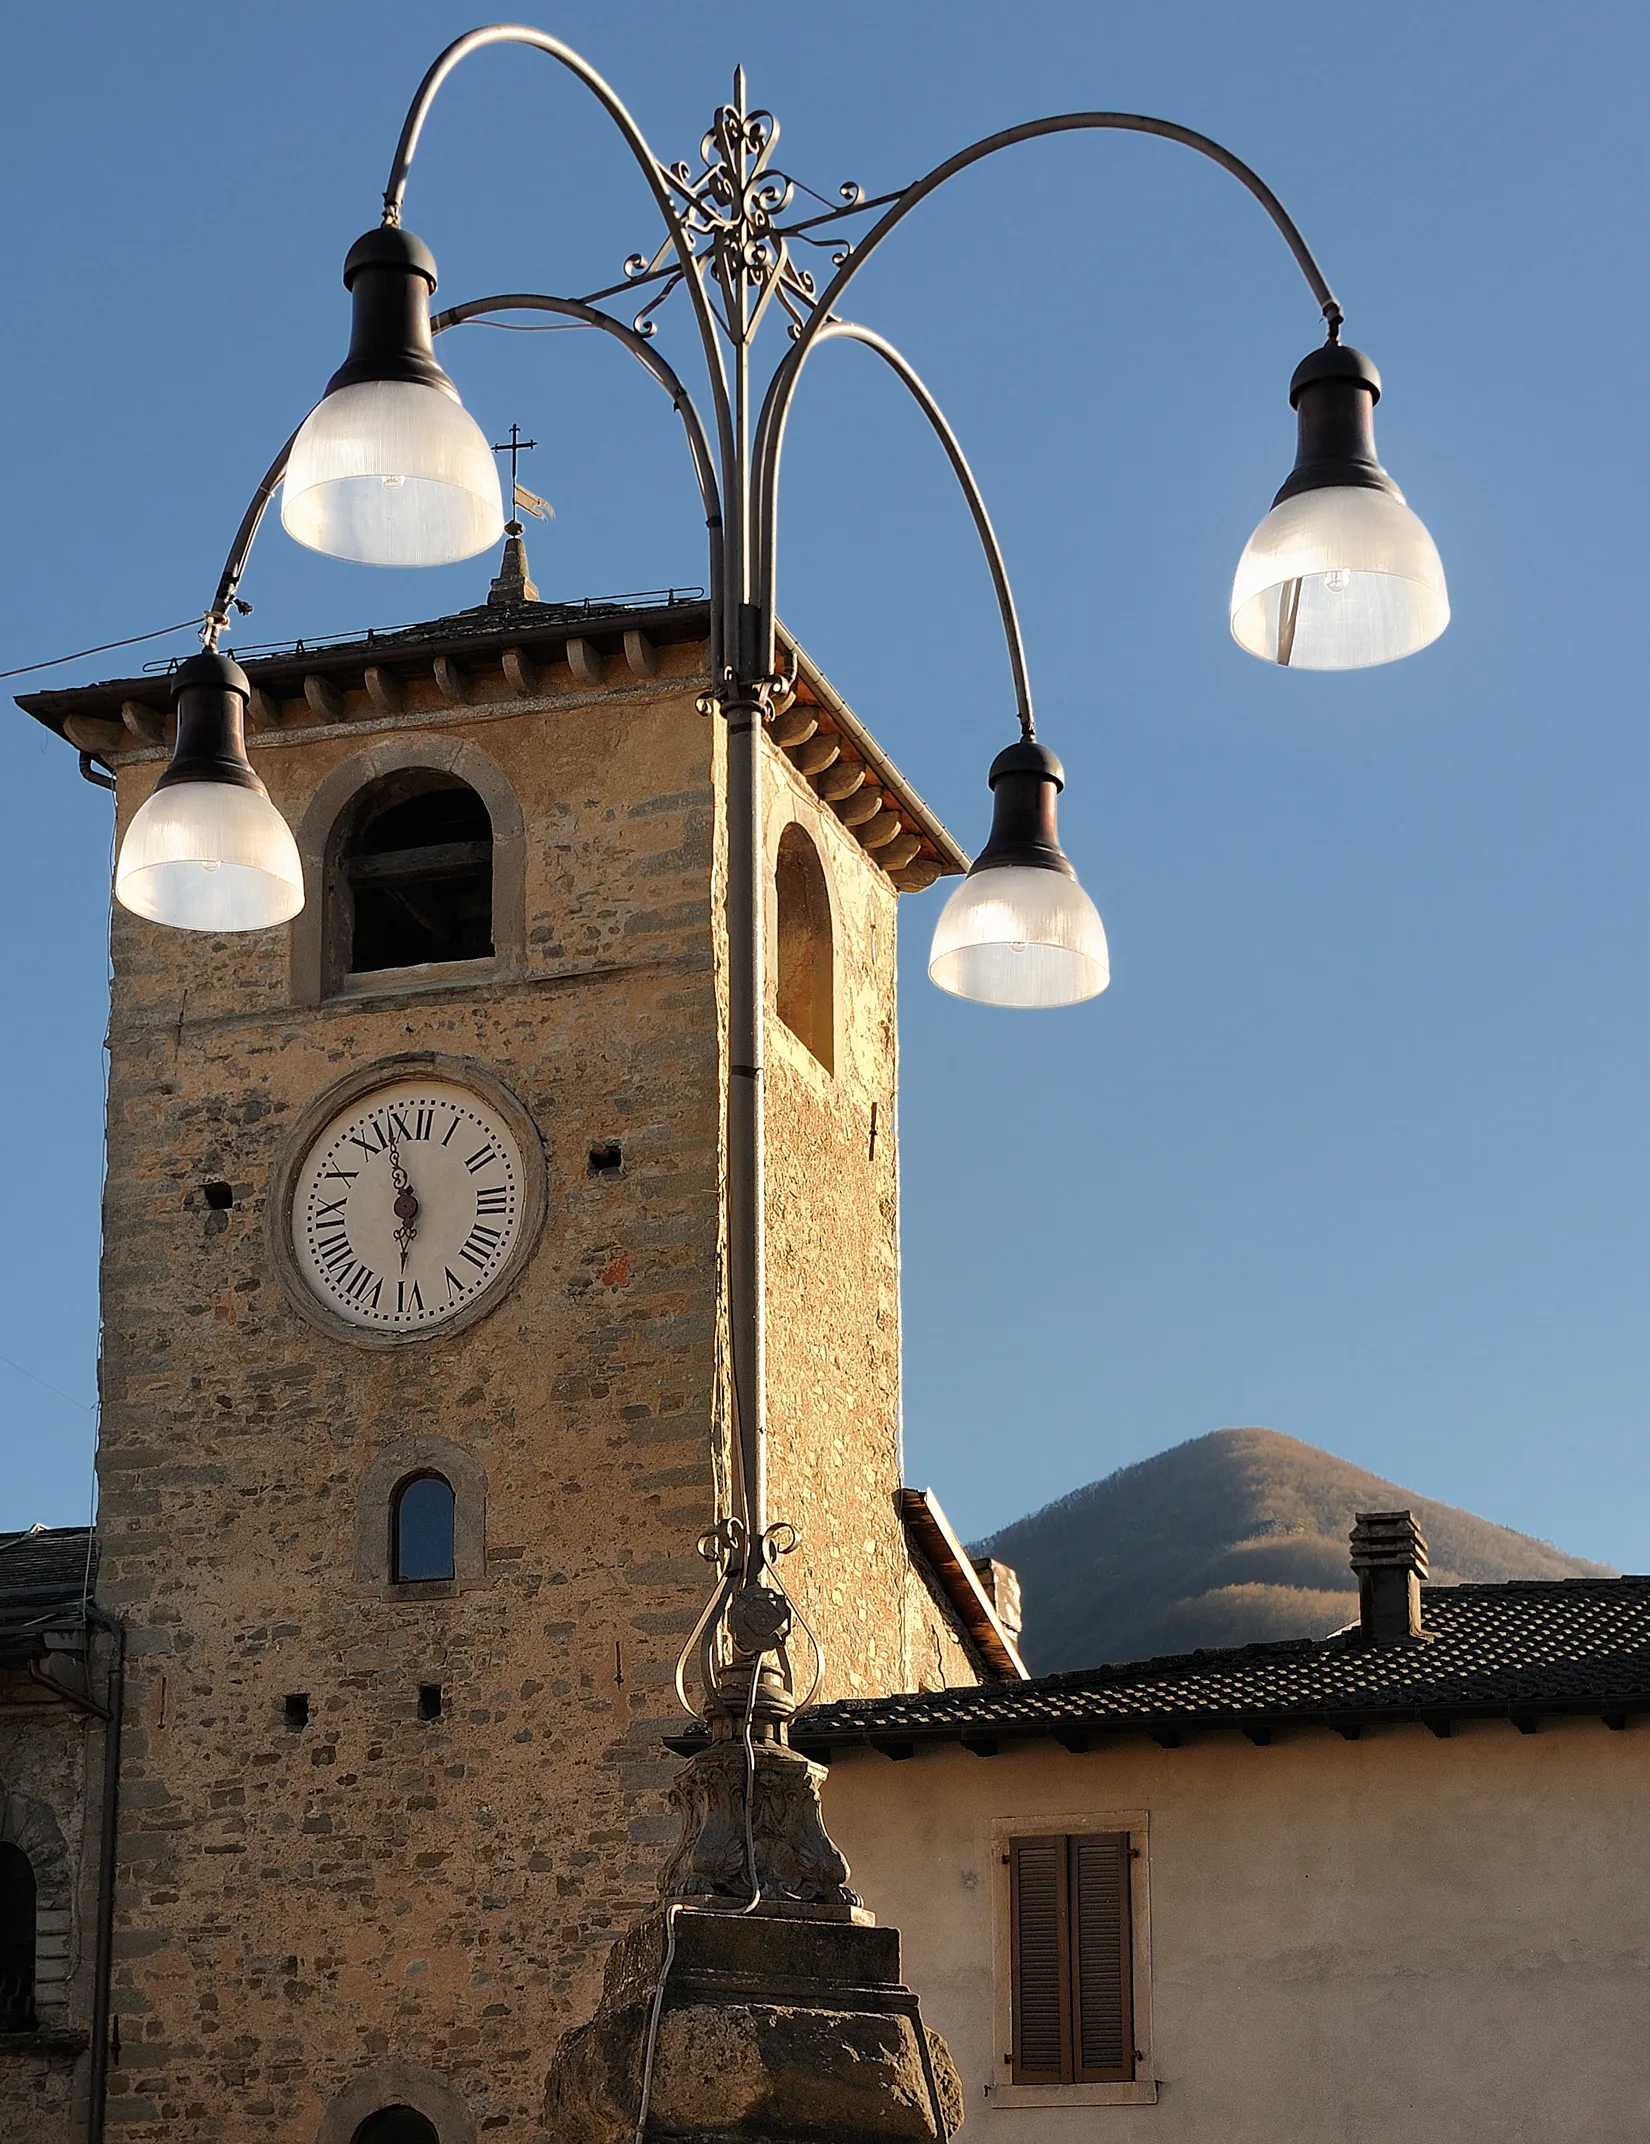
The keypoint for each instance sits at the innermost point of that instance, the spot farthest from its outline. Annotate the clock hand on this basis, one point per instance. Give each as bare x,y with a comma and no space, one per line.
406,1203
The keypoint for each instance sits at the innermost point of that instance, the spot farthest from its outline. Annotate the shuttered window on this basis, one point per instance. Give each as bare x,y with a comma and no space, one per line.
1073,2014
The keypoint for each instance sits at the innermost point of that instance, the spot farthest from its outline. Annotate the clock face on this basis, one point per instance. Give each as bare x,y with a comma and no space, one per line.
408,1205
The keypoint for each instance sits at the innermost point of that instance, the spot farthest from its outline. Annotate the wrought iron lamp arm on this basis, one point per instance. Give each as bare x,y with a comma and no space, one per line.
850,331
704,464
241,549
782,386
517,33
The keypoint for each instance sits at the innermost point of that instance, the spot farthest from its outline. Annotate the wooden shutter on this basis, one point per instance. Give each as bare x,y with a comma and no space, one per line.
1039,1890
1102,2004
1072,1994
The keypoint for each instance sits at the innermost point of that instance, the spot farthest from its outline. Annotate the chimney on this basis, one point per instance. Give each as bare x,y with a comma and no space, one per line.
1390,1558
1002,1590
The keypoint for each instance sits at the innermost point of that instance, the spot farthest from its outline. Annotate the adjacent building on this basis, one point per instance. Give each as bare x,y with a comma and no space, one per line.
1390,1883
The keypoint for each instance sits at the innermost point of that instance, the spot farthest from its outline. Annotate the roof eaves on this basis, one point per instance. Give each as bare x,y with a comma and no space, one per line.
953,857
951,1564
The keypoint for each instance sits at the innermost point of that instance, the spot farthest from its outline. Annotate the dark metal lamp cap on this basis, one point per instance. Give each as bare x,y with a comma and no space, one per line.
1025,781
389,275
1334,361
211,691
211,668
389,247
1333,393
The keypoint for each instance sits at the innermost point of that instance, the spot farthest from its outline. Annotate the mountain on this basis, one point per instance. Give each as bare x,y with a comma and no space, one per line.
1237,1536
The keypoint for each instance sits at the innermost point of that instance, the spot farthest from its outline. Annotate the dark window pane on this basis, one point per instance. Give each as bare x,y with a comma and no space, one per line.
420,875
397,2125
423,1528
16,1941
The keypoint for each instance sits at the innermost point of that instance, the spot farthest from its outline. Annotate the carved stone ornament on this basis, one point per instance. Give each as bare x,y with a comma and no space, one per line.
800,1871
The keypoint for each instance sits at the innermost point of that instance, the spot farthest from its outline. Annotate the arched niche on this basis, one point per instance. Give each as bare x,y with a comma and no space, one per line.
804,944
405,775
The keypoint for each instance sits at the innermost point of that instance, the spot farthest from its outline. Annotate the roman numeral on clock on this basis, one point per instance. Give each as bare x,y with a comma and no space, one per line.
480,1245
356,1287
480,1159
493,1198
371,1152
405,1302
334,1251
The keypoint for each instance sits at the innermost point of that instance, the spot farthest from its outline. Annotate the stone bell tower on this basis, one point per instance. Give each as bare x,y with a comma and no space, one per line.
414,1372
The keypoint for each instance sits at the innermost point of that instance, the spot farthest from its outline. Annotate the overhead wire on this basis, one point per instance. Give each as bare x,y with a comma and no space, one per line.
103,647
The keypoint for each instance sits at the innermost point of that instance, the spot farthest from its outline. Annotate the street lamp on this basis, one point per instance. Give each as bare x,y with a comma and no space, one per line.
206,850
1340,575
389,469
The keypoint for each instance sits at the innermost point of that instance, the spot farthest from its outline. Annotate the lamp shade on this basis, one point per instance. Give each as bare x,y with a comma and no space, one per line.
1340,575
1020,931
389,469
208,851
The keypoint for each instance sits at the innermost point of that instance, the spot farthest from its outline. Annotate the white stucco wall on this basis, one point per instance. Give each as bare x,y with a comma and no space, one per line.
1399,1937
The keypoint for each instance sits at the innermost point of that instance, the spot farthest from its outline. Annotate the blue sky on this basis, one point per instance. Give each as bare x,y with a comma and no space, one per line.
1355,1145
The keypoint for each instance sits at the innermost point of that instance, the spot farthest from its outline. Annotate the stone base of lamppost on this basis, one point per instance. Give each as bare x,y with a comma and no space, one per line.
765,2015
753,2029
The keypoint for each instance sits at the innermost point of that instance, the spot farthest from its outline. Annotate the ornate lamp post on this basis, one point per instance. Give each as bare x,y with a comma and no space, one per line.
389,469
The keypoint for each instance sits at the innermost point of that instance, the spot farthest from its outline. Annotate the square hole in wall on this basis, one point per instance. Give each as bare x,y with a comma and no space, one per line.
429,1701
607,1158
295,1708
220,1197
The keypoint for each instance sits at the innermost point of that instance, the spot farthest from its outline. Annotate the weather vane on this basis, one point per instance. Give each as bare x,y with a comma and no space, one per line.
528,501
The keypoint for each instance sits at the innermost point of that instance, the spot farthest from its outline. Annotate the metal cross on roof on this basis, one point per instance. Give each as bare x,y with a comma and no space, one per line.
529,501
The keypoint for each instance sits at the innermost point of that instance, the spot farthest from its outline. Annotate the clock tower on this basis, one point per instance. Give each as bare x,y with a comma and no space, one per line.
415,1375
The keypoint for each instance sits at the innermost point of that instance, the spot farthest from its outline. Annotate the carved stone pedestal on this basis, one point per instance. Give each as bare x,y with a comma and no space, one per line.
797,1863
771,2030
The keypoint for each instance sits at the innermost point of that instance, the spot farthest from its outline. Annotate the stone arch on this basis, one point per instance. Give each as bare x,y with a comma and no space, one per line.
31,1826
397,2084
316,971
804,943
401,1462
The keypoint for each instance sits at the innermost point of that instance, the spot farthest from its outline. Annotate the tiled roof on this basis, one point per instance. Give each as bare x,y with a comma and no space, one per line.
1578,1645
44,1581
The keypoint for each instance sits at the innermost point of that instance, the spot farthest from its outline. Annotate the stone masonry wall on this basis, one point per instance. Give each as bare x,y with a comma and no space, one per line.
48,1755
833,1288
299,1906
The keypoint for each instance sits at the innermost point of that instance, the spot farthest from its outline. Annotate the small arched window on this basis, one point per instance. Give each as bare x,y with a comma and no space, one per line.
397,2125
803,952
412,881
421,1530
17,1937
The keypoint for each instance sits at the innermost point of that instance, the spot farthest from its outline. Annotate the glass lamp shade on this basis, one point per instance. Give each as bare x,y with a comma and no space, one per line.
392,473
1340,577
1020,935
210,856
